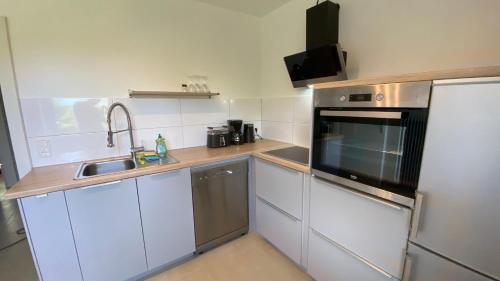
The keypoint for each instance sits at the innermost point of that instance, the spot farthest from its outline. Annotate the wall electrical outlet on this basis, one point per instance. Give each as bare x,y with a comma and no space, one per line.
44,148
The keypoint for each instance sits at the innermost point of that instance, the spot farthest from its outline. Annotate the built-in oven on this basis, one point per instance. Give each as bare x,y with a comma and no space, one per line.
371,138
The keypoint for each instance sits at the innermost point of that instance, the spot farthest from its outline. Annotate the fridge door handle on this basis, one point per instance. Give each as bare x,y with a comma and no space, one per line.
416,216
407,269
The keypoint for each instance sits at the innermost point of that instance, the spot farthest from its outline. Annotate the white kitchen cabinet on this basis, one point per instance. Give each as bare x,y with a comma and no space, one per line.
167,216
49,229
330,262
373,229
283,230
280,186
107,230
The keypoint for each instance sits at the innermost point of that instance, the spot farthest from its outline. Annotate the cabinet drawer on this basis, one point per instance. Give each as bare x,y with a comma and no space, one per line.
280,186
328,261
373,229
279,228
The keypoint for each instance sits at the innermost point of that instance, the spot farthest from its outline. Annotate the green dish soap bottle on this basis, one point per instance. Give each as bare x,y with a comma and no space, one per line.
161,147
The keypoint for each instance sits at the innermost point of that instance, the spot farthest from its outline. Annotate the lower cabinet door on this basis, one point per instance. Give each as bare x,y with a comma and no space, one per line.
167,216
47,222
426,266
107,228
280,228
330,262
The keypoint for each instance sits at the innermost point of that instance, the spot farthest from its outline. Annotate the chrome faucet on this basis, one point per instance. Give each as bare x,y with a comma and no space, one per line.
133,149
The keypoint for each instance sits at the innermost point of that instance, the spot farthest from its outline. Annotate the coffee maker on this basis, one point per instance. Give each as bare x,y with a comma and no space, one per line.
235,131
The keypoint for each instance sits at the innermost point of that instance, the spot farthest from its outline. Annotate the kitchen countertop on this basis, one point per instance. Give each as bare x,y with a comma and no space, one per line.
54,178
488,71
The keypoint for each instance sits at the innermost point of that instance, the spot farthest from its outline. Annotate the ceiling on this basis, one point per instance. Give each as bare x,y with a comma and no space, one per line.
253,7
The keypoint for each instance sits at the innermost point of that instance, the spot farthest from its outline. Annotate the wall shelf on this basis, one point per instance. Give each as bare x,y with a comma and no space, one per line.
165,94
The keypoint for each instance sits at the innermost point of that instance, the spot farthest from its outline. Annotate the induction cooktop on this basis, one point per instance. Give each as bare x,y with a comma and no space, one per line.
294,153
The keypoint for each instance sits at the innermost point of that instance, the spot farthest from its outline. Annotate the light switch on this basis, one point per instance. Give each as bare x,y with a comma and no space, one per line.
44,148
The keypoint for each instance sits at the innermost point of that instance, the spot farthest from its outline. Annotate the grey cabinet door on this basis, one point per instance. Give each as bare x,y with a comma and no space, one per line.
459,177
107,228
167,216
425,266
49,229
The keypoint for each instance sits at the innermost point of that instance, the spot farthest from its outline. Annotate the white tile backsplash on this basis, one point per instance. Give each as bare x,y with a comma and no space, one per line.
70,148
204,111
302,110
302,134
278,109
147,138
60,116
245,109
67,130
195,135
280,131
148,113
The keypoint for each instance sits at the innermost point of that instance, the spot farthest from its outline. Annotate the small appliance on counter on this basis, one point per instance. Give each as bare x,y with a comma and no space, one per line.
218,137
236,134
248,133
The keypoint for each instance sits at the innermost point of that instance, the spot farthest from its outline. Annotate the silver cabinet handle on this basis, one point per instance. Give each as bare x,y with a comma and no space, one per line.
394,206
42,195
359,258
100,185
416,216
407,269
277,209
361,114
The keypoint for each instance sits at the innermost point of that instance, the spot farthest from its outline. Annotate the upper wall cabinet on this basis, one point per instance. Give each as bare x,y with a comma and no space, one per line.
107,229
49,228
167,216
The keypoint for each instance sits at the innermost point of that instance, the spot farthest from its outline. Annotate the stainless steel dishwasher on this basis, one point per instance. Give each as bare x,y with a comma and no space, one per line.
220,203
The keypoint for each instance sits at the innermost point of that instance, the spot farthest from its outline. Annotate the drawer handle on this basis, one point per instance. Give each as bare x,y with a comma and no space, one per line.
407,269
278,209
100,185
359,258
416,216
394,206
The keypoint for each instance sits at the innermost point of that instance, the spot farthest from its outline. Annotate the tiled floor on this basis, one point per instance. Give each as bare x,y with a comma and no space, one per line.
16,263
247,258
15,256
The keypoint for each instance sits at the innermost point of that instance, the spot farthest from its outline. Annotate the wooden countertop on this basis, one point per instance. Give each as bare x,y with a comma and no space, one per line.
488,71
60,177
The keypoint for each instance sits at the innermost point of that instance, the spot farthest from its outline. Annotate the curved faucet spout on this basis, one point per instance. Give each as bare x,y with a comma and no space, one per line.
133,149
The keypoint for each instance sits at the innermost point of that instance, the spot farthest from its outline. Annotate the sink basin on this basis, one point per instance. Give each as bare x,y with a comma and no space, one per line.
106,167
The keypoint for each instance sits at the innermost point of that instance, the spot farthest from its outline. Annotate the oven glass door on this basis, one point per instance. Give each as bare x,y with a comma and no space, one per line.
377,148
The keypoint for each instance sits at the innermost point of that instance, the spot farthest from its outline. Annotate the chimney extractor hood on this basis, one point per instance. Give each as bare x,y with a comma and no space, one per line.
323,60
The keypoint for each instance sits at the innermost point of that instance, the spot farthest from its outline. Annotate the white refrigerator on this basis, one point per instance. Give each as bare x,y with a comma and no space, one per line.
456,224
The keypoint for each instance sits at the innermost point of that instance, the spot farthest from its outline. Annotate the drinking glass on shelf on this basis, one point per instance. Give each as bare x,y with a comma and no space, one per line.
191,84
204,84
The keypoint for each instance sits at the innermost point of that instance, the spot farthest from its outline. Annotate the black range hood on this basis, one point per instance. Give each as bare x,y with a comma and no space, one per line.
323,60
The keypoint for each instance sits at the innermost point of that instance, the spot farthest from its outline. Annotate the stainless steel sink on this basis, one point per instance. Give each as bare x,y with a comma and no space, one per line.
106,167
102,168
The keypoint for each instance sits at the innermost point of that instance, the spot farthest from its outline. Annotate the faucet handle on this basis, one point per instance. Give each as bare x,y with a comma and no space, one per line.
110,139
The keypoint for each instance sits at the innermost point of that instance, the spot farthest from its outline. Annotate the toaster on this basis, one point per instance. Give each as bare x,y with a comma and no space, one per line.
218,137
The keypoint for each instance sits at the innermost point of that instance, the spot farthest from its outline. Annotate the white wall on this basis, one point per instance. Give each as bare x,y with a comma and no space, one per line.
74,58
94,48
11,103
387,37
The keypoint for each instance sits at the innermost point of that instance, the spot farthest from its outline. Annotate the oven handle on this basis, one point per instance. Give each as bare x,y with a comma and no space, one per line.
362,114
